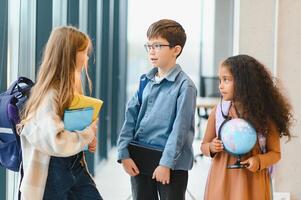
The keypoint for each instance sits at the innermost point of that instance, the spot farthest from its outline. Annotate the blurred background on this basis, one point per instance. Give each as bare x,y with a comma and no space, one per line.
268,30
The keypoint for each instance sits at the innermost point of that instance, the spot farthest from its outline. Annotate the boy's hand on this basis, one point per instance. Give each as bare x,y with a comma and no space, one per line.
252,163
162,174
216,146
130,167
92,145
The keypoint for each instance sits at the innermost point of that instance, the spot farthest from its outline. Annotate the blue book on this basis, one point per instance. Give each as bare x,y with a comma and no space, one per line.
78,119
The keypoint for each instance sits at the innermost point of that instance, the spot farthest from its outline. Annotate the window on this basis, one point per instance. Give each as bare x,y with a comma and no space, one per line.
149,12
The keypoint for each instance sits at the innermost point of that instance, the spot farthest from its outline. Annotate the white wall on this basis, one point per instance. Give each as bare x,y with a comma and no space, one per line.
288,174
270,30
256,26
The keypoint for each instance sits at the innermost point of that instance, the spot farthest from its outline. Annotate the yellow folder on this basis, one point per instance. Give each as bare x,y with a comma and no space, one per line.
81,101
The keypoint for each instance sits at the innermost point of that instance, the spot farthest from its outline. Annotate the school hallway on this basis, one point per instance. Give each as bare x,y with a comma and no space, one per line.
114,184
266,30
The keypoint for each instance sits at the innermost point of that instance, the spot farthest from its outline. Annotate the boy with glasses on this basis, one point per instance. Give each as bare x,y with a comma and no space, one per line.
163,118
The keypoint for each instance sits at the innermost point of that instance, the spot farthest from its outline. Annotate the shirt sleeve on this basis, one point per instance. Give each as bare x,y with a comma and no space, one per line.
273,154
45,131
182,130
210,134
128,129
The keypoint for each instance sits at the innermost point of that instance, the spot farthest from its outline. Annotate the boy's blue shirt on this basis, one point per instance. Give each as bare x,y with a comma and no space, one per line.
165,119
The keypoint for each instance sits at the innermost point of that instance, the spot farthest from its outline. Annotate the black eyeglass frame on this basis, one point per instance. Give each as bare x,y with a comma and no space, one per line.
148,47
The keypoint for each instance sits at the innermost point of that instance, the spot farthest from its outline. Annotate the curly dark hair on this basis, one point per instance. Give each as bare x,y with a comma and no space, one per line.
259,94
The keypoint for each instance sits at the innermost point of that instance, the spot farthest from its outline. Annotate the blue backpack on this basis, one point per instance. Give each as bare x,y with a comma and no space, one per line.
11,102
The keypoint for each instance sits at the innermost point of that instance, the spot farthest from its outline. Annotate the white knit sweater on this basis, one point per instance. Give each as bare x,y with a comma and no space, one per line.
44,136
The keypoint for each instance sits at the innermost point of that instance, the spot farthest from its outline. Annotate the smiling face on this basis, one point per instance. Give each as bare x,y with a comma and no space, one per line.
226,85
160,54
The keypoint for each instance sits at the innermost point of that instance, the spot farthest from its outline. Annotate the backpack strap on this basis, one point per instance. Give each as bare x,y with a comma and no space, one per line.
21,80
143,82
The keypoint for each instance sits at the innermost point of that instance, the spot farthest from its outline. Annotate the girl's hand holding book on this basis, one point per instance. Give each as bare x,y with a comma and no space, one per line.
94,126
93,143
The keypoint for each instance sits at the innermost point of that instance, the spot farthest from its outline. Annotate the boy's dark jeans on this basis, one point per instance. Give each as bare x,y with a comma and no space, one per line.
146,188
68,179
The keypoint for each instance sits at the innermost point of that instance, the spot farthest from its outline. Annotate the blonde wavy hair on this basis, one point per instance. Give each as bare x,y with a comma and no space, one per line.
58,71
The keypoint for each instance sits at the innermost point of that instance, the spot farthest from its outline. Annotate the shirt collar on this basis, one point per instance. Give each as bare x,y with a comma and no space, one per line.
171,76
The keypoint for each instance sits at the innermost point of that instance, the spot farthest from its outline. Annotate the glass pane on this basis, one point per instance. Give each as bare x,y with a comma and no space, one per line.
148,12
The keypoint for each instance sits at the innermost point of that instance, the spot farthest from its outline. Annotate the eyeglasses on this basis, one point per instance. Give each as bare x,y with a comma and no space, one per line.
156,47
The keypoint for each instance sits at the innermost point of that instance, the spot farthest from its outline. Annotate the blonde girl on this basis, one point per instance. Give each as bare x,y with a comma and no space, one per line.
53,160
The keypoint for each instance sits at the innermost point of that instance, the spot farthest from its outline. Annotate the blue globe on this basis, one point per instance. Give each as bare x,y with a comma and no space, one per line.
238,136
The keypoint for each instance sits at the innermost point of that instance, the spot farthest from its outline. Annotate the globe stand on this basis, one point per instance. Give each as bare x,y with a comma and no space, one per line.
237,164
